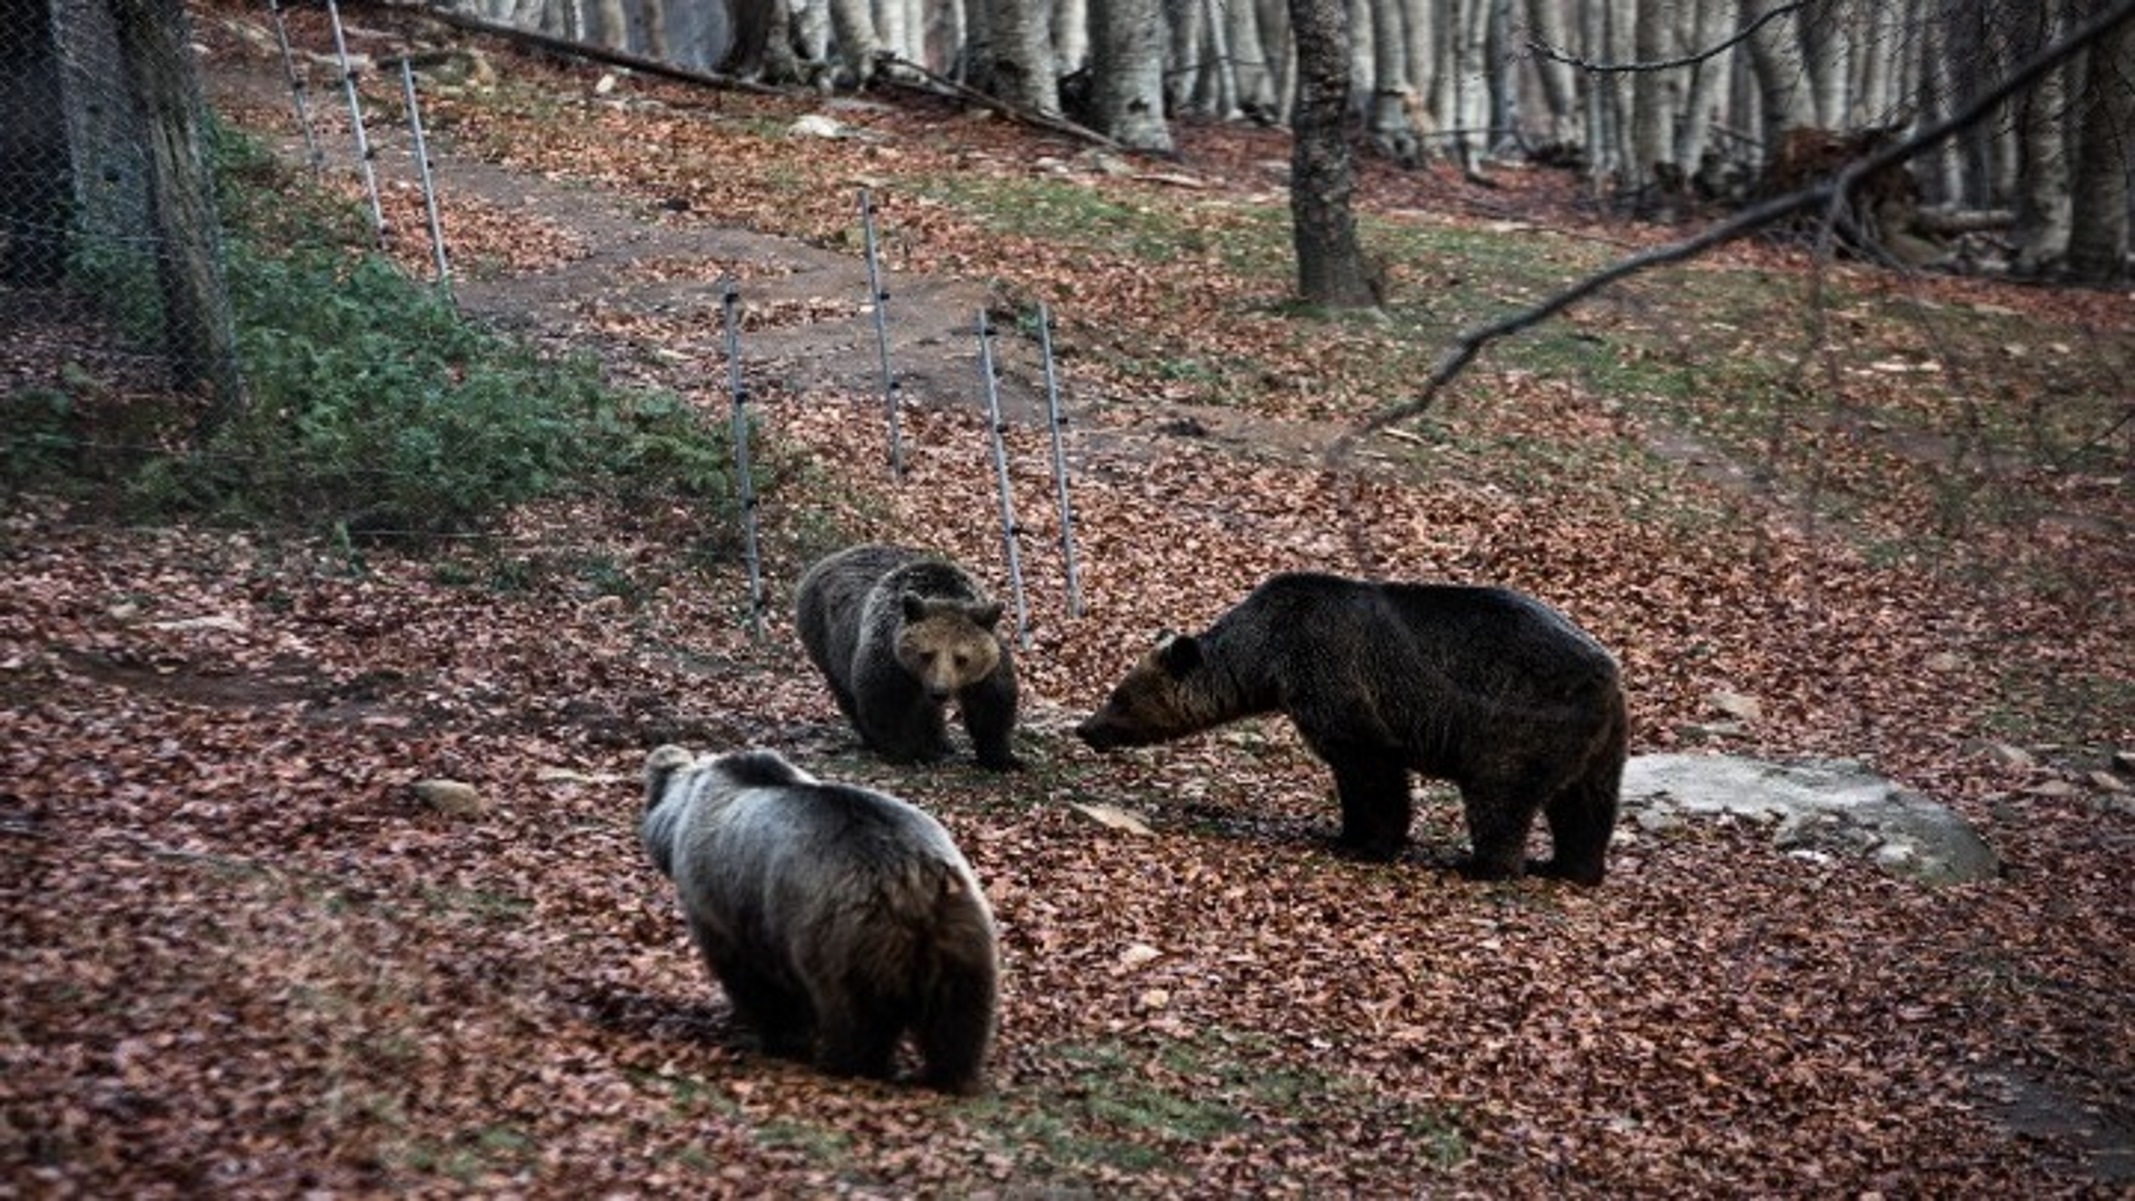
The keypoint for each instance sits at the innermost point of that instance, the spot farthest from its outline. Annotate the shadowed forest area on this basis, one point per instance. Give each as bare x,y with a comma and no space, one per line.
323,726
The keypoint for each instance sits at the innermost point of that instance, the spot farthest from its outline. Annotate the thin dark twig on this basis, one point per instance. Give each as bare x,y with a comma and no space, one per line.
1551,52
1831,194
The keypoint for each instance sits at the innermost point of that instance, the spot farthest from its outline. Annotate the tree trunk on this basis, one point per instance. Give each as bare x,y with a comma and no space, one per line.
1127,73
1824,36
2042,195
2098,227
158,61
1253,74
1560,88
1182,53
1330,264
1388,120
614,25
1071,35
36,172
1652,116
1783,99
1022,72
852,23
1711,23
1602,114
656,30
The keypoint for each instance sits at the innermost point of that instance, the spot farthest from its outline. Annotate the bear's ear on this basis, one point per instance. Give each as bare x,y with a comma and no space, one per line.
915,607
988,615
1178,653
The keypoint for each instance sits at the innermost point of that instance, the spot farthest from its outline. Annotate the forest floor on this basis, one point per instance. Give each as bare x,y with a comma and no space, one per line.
1815,510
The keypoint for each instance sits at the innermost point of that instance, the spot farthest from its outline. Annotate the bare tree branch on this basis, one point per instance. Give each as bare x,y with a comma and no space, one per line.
583,50
1689,60
1830,195
943,85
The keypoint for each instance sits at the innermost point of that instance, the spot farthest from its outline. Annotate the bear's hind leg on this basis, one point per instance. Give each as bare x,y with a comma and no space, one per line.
782,1018
1582,818
1498,822
858,1035
955,1024
1374,792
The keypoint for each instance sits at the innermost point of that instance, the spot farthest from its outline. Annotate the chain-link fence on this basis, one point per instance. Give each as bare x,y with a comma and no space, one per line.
110,255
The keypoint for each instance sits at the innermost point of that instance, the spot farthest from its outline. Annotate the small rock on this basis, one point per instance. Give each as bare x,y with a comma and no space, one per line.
1655,820
2105,781
1114,818
1137,955
1945,662
1153,998
2011,756
2124,762
816,125
452,797
1737,705
212,621
2055,789
1713,730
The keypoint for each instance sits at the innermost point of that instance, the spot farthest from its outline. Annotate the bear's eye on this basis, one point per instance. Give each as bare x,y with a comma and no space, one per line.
963,661
928,657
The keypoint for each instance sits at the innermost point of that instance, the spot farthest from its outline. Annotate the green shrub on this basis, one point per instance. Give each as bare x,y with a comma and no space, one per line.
373,407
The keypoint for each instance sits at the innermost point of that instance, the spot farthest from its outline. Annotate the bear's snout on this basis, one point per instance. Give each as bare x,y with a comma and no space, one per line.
1100,734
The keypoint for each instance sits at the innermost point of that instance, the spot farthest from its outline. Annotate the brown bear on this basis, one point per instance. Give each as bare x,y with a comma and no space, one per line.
899,634
836,918
1485,687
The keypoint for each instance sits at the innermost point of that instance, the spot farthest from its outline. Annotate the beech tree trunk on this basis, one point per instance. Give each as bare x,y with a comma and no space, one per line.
1652,119
852,22
2042,196
1330,263
2105,150
1782,79
1022,69
1127,73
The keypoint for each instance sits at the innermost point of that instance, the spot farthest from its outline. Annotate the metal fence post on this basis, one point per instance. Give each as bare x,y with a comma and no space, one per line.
1057,420
422,166
1000,469
744,483
878,299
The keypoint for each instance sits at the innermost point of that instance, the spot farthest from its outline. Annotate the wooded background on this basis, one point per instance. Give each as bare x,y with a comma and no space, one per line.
1661,103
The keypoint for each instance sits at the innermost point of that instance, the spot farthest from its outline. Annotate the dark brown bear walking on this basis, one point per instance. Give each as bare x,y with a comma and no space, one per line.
1485,687
899,634
836,918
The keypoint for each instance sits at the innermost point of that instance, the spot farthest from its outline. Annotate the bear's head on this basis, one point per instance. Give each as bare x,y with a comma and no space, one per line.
948,645
1161,699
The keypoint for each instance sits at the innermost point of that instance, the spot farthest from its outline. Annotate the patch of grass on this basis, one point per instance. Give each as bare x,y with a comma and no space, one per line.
486,905
469,1156
372,407
1115,1113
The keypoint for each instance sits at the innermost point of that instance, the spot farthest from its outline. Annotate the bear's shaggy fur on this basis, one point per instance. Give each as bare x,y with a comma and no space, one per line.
1485,687
836,918
899,633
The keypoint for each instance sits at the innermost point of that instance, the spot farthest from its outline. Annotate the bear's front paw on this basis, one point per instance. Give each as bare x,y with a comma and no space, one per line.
1370,850
1588,875
1484,870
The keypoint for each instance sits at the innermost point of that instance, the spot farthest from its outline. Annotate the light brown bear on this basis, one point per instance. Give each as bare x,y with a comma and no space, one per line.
1485,687
836,918
899,634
